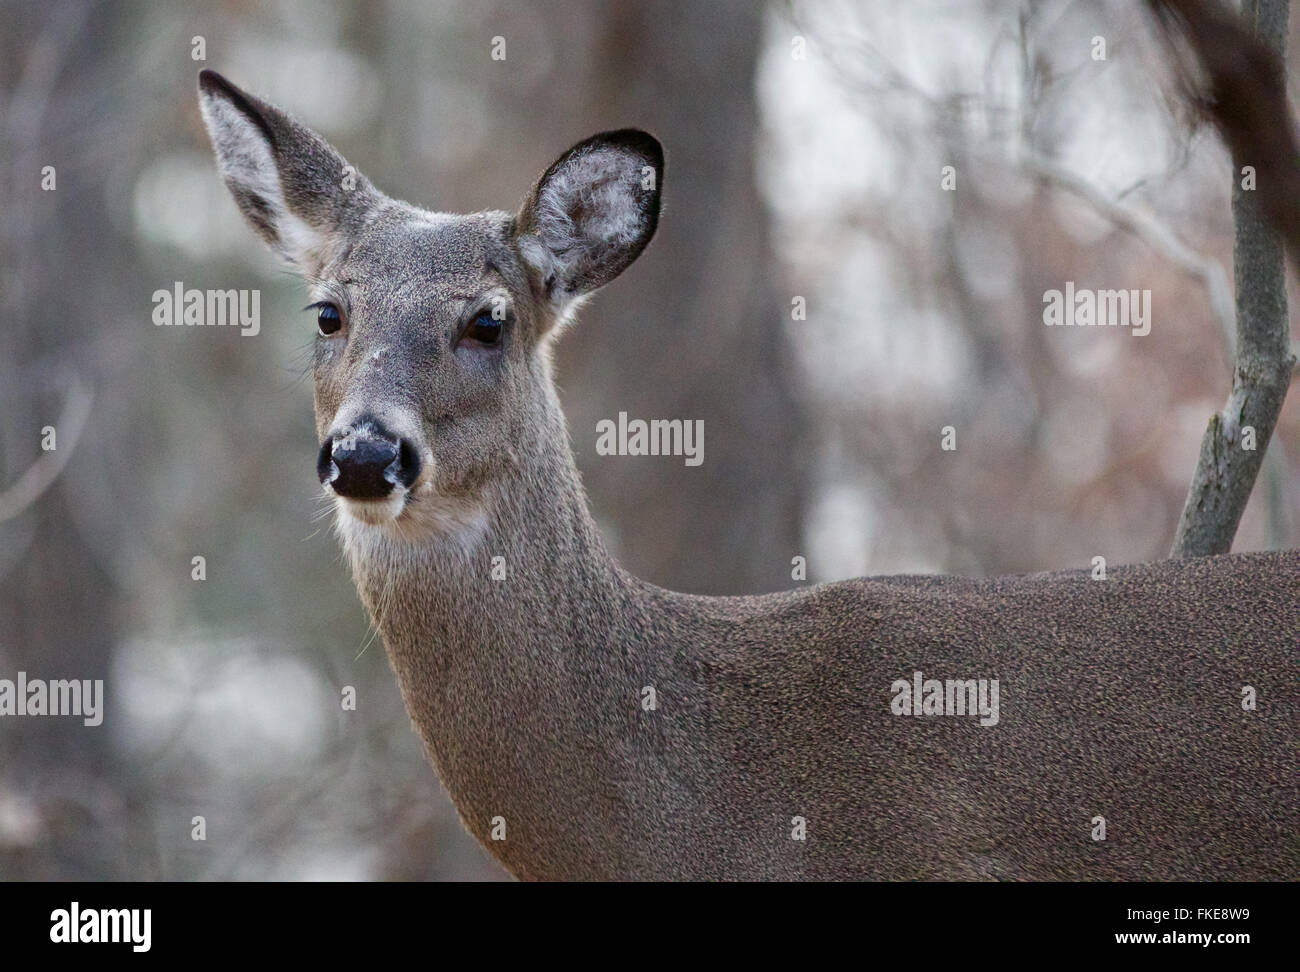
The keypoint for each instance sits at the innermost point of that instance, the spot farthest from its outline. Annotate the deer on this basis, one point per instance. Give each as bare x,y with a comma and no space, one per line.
589,725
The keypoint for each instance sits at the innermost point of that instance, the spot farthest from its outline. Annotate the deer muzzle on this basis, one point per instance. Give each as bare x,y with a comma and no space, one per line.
365,462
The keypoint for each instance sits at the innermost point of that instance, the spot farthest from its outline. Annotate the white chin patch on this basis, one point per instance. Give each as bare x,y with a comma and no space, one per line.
419,516
374,512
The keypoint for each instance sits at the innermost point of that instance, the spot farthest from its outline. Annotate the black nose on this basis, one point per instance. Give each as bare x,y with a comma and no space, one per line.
367,463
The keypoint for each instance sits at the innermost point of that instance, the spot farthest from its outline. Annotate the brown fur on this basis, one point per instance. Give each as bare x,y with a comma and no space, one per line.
1119,698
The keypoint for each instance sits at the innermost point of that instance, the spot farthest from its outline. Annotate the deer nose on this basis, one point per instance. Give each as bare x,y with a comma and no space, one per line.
367,464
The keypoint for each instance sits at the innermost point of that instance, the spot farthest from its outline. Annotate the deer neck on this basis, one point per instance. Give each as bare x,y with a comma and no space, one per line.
504,663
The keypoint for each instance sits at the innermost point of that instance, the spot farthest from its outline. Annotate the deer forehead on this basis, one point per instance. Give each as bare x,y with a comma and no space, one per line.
407,250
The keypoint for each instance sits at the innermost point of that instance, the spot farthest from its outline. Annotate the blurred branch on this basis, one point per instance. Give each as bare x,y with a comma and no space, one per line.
42,473
1236,66
1242,88
1133,219
1142,224
864,69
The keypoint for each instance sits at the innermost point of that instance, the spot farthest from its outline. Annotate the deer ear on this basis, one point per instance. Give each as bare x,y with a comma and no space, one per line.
297,192
592,213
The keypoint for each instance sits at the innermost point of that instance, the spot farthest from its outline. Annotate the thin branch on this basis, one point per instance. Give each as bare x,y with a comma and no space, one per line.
1144,225
42,473
1140,222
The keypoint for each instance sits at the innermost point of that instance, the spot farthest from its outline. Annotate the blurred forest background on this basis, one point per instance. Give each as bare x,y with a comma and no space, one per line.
806,144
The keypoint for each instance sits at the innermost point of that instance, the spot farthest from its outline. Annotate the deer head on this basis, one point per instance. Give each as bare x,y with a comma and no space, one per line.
432,352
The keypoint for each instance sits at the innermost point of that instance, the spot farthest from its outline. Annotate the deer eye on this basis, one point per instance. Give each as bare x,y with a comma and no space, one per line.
485,329
328,319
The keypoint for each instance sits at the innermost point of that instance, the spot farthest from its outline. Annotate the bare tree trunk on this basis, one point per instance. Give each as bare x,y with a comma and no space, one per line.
1235,442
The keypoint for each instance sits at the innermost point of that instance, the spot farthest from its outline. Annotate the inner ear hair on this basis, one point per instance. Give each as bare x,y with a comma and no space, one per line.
592,212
